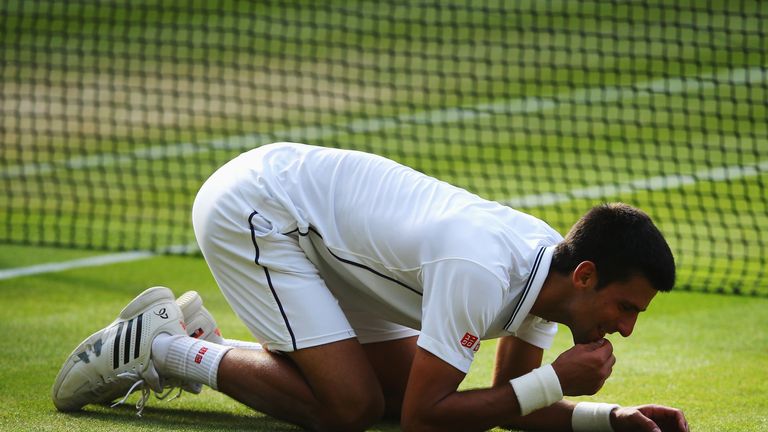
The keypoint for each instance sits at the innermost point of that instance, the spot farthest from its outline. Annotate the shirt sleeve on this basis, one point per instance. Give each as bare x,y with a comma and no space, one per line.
537,331
461,300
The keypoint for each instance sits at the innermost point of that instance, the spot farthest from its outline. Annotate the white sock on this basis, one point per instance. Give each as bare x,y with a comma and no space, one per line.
234,343
187,358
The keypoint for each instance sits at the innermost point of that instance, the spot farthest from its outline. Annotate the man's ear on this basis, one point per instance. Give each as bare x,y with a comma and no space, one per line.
584,277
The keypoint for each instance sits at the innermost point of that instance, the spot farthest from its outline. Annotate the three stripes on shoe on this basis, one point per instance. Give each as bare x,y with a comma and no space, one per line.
126,328
127,341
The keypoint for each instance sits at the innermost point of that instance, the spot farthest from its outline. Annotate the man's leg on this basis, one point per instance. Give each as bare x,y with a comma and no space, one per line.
329,387
391,361
336,386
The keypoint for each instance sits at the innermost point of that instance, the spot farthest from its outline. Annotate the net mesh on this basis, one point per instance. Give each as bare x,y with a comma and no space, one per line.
114,113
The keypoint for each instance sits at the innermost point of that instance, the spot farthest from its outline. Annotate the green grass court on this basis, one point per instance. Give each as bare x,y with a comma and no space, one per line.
704,353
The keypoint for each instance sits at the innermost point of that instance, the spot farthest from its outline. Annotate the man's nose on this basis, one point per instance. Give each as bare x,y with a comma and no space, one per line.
626,325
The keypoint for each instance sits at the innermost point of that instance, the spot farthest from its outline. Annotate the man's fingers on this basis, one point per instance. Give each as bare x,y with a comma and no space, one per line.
606,367
605,350
671,419
682,424
593,346
647,424
603,345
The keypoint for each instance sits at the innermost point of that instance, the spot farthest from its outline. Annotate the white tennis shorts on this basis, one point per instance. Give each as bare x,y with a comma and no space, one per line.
266,276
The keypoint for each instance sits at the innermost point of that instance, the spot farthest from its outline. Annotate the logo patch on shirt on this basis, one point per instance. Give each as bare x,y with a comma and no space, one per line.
468,340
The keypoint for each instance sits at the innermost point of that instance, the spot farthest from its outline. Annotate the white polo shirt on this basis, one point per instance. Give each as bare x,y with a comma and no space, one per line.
412,249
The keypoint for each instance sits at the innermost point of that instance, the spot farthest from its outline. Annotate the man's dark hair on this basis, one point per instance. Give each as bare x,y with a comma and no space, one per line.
622,242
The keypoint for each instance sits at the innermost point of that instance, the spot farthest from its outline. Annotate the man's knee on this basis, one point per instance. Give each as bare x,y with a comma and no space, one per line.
353,412
348,394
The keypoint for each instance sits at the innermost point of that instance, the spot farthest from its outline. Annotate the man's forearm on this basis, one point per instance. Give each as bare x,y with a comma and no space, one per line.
432,402
514,358
479,410
554,418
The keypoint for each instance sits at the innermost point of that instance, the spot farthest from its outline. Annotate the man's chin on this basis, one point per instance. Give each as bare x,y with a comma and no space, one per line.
579,340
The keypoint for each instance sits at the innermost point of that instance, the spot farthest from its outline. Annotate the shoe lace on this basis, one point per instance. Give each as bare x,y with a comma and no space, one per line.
146,390
147,380
167,392
140,383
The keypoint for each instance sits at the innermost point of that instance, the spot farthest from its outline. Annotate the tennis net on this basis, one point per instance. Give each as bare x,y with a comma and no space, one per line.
114,113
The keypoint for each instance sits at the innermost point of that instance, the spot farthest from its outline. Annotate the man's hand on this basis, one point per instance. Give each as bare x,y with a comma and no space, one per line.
648,418
583,369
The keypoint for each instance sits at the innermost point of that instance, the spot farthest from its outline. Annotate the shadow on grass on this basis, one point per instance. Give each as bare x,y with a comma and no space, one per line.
124,417
159,418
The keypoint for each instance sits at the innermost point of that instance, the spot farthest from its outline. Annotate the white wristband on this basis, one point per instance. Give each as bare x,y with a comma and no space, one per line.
592,417
537,389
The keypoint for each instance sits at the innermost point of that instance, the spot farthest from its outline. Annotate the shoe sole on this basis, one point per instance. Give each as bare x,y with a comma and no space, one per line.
138,304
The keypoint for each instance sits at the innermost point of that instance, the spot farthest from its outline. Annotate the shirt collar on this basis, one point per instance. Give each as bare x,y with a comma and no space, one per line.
539,272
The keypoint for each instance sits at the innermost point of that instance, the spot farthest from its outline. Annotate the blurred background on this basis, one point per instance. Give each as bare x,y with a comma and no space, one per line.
113,113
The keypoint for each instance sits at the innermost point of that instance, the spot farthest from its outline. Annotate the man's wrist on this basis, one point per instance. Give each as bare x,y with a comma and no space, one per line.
537,389
592,417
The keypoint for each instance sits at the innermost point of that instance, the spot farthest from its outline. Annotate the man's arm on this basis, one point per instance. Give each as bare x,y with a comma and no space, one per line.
432,402
514,358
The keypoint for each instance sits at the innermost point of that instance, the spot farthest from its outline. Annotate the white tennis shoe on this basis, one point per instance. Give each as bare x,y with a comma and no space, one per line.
116,360
200,322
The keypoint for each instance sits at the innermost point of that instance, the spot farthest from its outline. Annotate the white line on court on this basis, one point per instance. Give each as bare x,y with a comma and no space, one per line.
73,264
663,86
672,181
93,261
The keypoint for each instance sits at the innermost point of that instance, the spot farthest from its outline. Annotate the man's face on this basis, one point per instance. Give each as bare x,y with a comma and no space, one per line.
614,308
